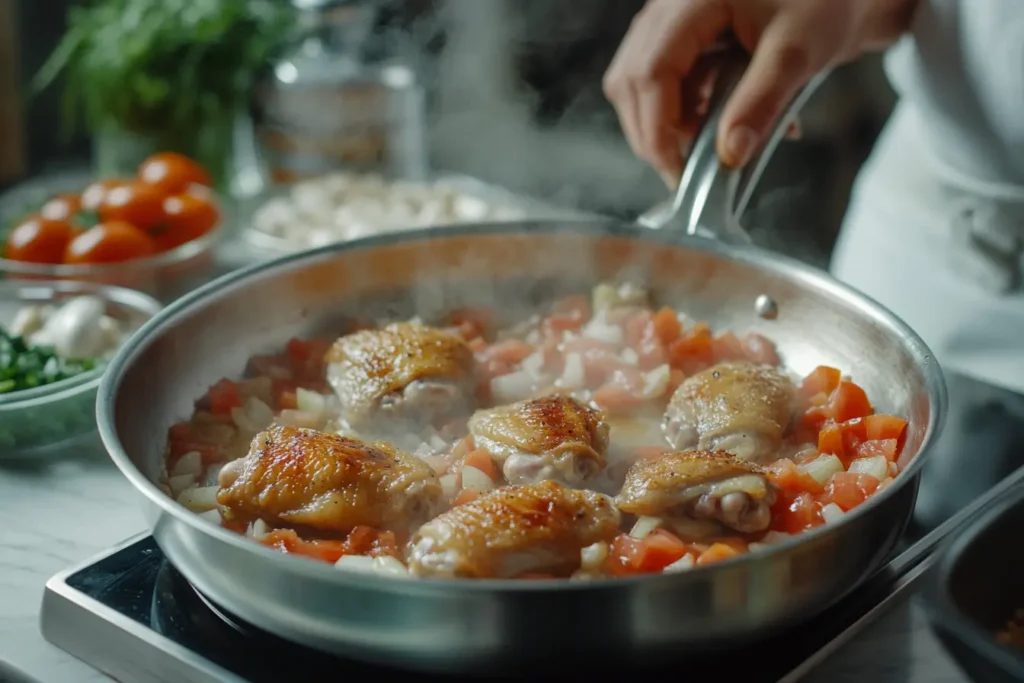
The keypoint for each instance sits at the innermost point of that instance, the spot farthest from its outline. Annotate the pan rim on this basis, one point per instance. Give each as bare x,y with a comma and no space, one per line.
783,266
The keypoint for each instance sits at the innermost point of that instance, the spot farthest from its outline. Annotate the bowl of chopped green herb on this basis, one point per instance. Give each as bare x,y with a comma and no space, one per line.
55,340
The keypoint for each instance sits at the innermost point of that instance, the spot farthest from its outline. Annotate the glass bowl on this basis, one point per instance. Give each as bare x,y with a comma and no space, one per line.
165,276
52,418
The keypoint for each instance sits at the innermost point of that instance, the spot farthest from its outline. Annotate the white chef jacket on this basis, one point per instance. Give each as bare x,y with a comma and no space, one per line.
935,227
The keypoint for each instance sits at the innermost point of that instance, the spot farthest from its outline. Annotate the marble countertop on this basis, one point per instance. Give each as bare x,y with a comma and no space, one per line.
62,512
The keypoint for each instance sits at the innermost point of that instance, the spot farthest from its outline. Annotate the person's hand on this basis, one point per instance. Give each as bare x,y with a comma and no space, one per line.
658,84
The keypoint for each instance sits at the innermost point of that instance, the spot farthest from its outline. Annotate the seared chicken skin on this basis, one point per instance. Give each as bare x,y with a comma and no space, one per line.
324,481
555,437
514,530
403,373
741,408
700,486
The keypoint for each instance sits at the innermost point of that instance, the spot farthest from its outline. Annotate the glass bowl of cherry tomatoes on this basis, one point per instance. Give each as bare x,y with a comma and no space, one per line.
149,233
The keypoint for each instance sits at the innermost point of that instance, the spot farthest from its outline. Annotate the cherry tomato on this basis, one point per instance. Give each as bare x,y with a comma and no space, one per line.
186,217
172,173
109,242
39,240
139,204
63,207
92,196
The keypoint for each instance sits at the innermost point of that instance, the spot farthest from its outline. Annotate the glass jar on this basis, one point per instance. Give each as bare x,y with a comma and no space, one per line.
324,107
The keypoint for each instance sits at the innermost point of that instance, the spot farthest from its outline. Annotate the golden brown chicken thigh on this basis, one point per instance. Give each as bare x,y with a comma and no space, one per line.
554,437
401,376
324,481
741,408
700,486
514,530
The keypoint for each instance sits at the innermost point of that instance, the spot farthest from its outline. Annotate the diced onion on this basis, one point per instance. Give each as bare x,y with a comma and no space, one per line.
574,374
385,564
894,469
644,526
822,468
190,463
254,416
450,485
309,401
211,516
517,386
685,562
199,498
831,513
179,483
773,537
593,556
628,355
257,529
656,382
475,480
533,363
877,466
358,563
298,418
600,330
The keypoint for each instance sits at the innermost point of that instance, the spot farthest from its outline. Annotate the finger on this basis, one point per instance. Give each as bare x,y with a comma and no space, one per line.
782,63
658,111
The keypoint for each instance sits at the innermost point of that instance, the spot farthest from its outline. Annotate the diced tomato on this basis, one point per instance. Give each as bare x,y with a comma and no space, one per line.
286,540
386,544
884,447
182,440
658,550
615,398
473,323
795,513
676,377
306,357
512,351
360,540
637,327
622,555
693,351
465,496
848,490
786,476
727,347
821,380
600,367
830,440
760,349
284,394
849,401
224,396
482,460
667,327
879,427
716,553
478,345
571,313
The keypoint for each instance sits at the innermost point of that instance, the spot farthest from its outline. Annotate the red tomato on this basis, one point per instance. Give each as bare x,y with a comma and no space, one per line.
224,396
849,401
39,240
667,326
111,242
848,490
879,427
885,447
185,217
93,196
785,474
63,207
760,349
822,380
658,550
716,553
172,173
694,350
139,204
795,513
622,555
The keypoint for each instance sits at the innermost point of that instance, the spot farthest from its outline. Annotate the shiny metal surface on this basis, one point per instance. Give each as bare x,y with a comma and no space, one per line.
473,626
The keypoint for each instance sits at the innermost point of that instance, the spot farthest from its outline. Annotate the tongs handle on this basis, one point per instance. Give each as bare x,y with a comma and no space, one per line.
711,197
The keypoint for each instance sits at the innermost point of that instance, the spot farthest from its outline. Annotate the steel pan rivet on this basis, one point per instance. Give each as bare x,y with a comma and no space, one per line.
766,307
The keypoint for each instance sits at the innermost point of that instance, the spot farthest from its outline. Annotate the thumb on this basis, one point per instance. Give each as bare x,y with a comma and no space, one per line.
781,65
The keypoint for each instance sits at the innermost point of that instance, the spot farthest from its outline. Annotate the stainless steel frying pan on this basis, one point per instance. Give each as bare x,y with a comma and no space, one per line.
477,626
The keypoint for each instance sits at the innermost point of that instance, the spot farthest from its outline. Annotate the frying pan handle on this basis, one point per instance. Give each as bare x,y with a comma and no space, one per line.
711,198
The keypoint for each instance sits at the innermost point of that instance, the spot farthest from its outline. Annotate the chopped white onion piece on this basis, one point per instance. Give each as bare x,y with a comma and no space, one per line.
877,466
593,556
822,468
475,480
450,485
254,416
574,375
600,330
517,386
832,513
358,563
773,537
894,469
211,516
298,418
199,498
179,483
385,564
257,529
644,526
685,562
628,355
190,463
533,363
656,382
309,401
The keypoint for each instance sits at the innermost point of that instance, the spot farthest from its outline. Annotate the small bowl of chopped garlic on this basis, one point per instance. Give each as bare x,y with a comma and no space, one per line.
55,340
340,207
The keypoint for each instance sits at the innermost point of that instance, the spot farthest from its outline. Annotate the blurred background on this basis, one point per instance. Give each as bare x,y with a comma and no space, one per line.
506,91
